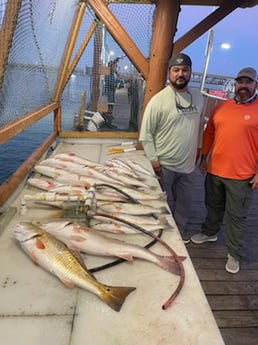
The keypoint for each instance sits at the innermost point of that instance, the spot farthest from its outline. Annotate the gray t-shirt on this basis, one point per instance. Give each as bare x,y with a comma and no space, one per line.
171,128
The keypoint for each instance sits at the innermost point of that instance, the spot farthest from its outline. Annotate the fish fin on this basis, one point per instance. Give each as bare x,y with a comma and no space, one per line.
76,252
114,296
160,210
126,257
168,263
141,178
165,210
77,238
67,283
39,244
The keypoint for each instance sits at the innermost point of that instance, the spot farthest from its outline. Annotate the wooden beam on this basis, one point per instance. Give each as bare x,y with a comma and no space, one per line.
6,33
120,35
62,79
95,93
164,25
124,135
80,50
11,129
205,25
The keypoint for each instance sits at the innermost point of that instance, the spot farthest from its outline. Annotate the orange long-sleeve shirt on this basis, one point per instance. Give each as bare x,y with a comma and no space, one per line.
231,138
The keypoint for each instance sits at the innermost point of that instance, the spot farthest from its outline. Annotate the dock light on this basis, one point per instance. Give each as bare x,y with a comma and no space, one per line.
208,52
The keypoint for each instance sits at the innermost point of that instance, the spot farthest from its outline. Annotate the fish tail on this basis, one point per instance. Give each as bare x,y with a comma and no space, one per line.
168,263
114,296
152,187
165,210
163,220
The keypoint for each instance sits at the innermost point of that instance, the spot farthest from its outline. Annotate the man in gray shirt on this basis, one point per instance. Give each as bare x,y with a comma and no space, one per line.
171,133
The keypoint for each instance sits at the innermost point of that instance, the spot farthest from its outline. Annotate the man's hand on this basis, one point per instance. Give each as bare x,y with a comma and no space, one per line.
156,167
254,182
203,165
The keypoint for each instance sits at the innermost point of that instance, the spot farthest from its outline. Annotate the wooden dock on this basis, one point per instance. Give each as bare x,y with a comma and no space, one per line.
233,298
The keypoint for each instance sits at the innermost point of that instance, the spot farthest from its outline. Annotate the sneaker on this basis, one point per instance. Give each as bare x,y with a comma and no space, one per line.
201,238
232,265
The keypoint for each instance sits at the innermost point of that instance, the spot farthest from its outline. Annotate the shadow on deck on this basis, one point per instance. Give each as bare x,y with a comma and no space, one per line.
233,298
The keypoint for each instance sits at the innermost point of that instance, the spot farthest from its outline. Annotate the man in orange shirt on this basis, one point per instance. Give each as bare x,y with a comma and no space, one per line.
231,141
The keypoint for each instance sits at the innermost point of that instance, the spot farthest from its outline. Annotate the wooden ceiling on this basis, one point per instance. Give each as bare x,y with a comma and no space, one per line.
244,3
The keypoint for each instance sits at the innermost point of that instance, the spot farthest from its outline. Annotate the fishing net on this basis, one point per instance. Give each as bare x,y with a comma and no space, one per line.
36,40
101,82
112,84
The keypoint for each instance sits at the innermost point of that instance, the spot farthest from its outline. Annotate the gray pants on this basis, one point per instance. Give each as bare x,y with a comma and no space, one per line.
230,198
178,188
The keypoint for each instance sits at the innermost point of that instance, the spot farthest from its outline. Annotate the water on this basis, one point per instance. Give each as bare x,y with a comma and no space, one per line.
14,152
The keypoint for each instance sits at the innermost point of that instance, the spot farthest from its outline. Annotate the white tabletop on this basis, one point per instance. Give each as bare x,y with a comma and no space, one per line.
36,308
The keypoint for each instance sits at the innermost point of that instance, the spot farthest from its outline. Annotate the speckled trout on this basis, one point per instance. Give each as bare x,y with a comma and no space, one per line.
84,239
54,256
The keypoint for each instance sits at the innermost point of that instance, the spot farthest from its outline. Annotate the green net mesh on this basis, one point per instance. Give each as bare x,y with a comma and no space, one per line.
34,37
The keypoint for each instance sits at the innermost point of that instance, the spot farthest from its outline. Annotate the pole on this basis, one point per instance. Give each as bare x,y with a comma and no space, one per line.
207,58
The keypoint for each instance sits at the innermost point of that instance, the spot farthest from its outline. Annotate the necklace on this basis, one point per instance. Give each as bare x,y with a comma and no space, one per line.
179,106
249,100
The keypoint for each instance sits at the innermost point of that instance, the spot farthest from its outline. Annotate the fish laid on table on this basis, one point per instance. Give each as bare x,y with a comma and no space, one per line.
84,239
142,194
73,157
117,227
136,219
68,177
115,208
54,256
77,169
123,167
59,163
126,224
104,194
155,203
140,169
127,180
53,186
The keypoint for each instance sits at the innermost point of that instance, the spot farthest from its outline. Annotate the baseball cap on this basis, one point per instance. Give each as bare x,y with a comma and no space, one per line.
180,60
247,72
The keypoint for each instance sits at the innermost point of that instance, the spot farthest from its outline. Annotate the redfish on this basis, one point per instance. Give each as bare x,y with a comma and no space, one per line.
54,256
81,238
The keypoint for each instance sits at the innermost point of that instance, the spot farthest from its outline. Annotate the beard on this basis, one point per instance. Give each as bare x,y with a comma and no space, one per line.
180,83
244,95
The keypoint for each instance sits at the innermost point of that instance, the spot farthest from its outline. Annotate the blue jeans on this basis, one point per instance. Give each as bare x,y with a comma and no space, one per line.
178,188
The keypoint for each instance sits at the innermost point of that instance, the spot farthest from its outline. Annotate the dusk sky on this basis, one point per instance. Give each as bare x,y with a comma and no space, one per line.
239,29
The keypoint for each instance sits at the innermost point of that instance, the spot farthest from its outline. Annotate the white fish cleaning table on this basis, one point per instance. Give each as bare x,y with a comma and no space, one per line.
36,308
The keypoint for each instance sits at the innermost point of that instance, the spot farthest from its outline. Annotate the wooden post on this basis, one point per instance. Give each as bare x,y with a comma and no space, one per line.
164,28
69,50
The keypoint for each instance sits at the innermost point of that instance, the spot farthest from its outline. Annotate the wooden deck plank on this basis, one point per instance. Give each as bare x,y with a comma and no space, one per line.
230,288
242,319
240,336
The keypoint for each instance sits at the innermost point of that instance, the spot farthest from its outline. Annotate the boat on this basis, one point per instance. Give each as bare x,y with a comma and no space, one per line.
55,56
